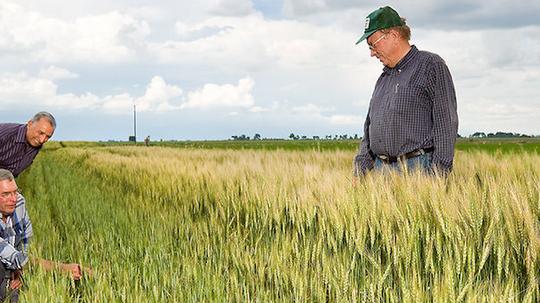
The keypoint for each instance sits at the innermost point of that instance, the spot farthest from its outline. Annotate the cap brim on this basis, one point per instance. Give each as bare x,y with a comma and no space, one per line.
365,36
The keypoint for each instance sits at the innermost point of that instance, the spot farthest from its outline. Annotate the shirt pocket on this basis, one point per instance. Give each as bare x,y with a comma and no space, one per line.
408,99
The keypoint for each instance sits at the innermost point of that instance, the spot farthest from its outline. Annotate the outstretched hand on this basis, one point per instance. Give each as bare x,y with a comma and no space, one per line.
76,270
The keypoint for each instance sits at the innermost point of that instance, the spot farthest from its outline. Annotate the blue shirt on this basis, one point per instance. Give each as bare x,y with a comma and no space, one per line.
15,235
413,106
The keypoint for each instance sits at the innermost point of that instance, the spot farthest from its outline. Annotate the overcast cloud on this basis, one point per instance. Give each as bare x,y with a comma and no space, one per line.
214,68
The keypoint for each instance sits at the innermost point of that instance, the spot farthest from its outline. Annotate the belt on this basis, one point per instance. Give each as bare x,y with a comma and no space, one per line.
415,153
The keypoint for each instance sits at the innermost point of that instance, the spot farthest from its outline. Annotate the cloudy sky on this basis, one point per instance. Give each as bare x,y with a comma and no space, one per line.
209,69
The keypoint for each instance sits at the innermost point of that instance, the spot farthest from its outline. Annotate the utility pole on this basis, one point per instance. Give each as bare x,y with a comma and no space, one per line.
135,123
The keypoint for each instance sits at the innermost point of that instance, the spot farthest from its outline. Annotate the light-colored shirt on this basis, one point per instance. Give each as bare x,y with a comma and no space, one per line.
15,236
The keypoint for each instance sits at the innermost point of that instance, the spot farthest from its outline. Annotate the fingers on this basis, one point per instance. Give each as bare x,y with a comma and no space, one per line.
15,283
78,270
75,270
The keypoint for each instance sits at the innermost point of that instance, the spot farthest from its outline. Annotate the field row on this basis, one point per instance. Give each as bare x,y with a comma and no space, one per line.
196,225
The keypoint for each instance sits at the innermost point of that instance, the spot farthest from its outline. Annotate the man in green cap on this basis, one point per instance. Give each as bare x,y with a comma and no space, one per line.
412,119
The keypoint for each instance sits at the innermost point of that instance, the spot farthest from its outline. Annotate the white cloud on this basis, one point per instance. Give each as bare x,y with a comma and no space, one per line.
311,109
300,7
346,120
259,109
55,73
232,7
216,96
122,103
109,37
110,49
158,96
19,88
254,43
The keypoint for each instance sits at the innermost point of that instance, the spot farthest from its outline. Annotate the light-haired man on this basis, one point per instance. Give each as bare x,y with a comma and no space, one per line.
15,234
20,143
412,119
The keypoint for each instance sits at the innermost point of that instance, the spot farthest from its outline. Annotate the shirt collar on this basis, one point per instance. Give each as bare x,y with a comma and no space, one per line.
7,224
403,62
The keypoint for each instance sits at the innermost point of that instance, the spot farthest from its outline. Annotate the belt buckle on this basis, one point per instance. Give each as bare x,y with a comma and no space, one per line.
384,158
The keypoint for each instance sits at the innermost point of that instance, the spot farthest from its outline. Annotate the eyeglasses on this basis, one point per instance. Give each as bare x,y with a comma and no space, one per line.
372,46
8,194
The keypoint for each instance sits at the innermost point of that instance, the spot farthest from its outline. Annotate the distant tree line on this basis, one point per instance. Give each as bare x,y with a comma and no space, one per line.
499,135
294,136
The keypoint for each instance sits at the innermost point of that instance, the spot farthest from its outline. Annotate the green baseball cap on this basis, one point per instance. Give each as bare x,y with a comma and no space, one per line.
384,17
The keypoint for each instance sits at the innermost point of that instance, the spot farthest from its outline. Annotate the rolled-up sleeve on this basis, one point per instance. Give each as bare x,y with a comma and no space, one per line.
11,257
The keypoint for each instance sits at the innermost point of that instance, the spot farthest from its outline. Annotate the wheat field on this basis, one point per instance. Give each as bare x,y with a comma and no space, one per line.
160,224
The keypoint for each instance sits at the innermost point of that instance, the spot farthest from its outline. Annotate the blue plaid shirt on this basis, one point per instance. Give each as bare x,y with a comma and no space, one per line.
15,235
413,106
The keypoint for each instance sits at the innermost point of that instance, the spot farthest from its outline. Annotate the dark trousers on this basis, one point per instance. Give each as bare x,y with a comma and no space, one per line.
5,291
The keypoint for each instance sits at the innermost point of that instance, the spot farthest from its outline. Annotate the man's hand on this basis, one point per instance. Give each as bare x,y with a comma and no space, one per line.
76,270
73,268
16,280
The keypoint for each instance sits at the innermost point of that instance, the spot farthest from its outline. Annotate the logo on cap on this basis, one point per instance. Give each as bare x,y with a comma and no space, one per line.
367,23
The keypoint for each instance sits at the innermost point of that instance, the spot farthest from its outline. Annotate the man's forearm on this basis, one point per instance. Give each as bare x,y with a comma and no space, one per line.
72,268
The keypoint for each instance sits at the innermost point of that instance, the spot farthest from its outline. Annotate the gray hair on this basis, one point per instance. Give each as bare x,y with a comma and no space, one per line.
6,175
404,30
45,115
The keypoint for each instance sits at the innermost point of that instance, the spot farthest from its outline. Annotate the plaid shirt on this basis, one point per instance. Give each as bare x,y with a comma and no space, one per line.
15,153
413,106
15,235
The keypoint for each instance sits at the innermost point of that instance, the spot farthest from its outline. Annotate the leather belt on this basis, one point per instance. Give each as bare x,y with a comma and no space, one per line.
415,153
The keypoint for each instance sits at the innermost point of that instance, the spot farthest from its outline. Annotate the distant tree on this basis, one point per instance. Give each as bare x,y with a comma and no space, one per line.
234,137
355,136
257,137
316,138
292,136
478,135
304,137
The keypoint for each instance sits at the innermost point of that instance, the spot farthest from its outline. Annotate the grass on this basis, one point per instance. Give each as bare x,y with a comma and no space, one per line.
193,224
